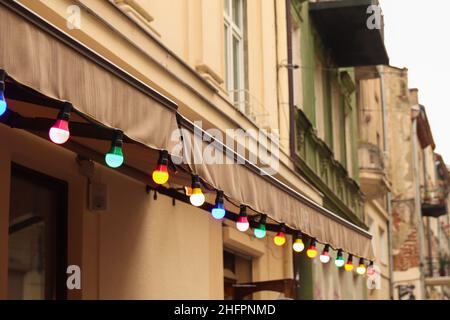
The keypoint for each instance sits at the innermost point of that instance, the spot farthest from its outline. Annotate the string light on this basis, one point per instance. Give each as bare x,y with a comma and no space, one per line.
242,222
161,174
339,262
114,157
325,255
197,197
280,237
218,212
361,268
59,133
312,251
349,264
370,269
298,244
260,230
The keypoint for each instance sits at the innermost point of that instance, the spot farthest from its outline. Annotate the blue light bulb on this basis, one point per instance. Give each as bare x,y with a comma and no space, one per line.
218,212
3,104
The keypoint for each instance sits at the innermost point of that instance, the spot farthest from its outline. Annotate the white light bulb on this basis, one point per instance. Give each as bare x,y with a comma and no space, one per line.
197,199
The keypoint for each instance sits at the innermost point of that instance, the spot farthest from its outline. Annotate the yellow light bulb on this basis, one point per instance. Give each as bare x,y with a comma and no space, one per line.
311,252
279,239
160,177
348,267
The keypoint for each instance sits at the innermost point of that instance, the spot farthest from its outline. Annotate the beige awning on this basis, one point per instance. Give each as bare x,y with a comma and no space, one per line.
38,60
107,95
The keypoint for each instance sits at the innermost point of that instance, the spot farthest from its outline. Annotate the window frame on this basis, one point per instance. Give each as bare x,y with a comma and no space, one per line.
234,31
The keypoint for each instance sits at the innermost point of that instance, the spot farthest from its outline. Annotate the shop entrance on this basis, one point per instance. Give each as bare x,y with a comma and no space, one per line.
37,258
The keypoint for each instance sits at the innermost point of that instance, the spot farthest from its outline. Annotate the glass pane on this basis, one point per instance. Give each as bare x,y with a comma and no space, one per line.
236,6
236,70
226,4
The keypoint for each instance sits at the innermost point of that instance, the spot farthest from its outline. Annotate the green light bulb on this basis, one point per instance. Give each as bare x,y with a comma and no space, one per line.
114,158
260,232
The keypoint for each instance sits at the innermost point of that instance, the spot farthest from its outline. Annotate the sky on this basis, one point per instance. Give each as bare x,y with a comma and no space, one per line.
417,37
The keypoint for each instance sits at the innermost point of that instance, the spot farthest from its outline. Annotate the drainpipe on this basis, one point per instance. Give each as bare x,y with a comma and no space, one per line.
389,194
417,203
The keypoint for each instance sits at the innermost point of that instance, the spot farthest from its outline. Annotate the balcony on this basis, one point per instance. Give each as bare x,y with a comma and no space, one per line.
372,174
434,203
344,27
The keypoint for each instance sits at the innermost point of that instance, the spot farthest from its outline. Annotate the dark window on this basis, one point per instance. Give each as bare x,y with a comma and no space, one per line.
37,242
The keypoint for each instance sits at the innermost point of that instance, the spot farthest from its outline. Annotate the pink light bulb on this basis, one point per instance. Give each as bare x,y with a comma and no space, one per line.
59,133
242,224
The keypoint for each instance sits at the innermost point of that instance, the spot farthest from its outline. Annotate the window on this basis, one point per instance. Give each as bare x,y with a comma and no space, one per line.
383,247
234,20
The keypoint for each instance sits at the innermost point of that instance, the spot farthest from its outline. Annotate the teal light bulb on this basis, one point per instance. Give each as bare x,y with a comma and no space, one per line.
114,158
260,232
339,262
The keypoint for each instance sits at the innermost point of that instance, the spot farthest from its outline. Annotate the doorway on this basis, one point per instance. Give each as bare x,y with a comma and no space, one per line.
37,254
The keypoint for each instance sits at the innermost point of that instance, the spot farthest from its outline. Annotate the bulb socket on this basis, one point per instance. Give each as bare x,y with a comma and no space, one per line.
242,211
64,113
195,182
118,139
219,197
164,158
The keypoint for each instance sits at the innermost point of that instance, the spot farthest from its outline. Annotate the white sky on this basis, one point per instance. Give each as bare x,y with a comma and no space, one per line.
417,36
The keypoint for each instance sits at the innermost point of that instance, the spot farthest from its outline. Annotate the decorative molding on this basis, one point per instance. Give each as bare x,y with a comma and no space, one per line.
137,13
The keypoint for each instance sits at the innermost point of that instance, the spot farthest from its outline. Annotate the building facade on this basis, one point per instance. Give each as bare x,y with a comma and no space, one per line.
146,68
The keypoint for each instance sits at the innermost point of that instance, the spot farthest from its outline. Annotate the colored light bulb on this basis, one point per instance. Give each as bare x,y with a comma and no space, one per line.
260,231
242,223
339,262
197,197
349,264
361,268
114,157
312,251
298,245
3,103
59,133
218,212
279,239
370,269
325,255
161,173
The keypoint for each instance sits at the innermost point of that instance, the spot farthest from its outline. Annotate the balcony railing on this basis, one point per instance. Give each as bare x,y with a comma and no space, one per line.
373,178
316,161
